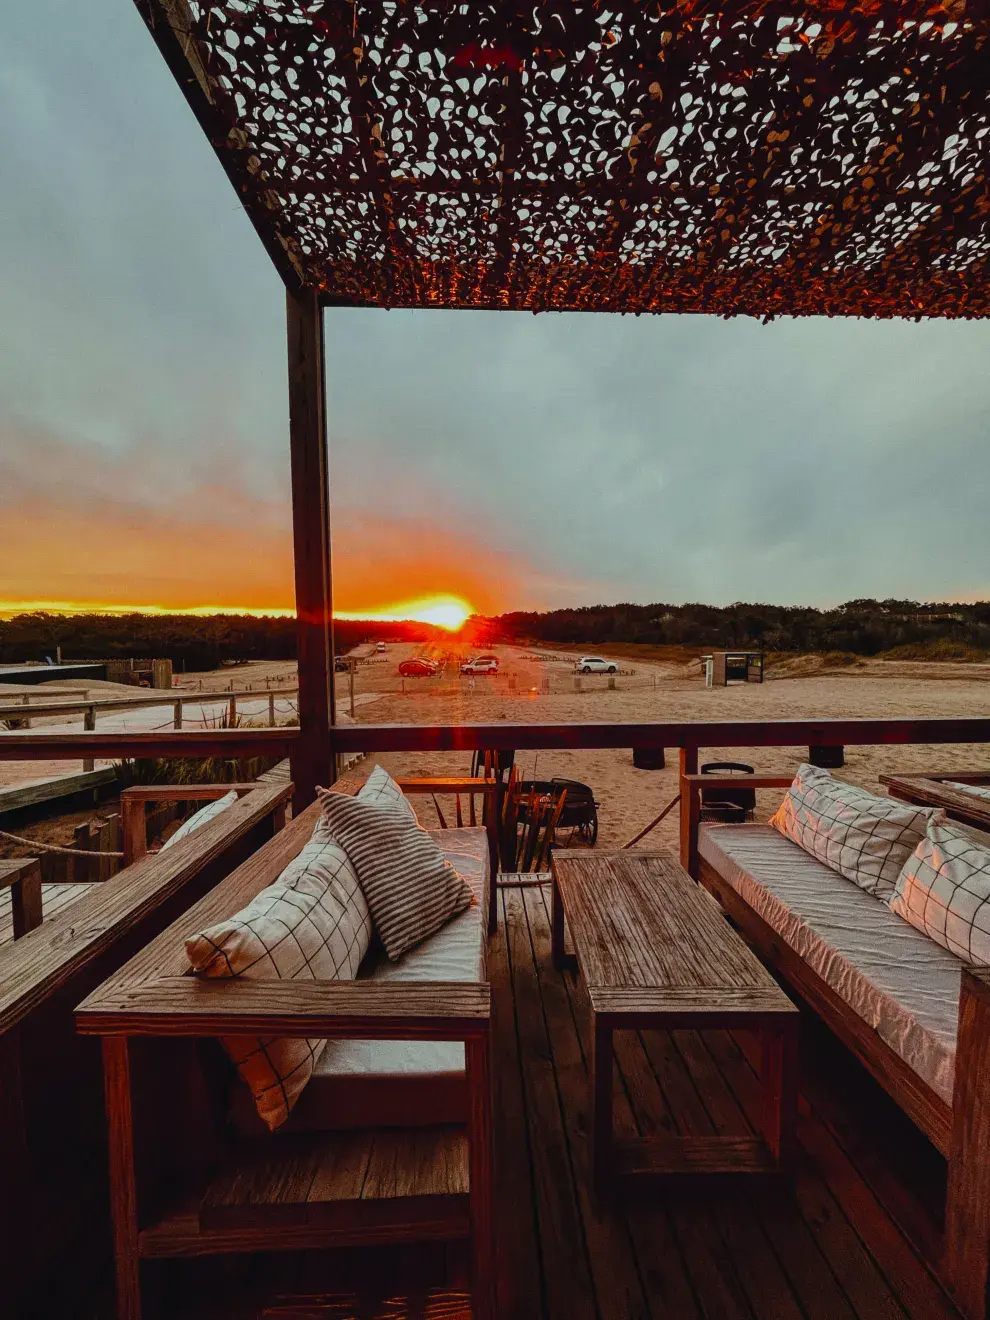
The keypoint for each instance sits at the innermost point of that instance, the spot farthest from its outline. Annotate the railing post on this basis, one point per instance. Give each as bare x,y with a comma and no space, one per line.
89,724
271,710
177,714
689,811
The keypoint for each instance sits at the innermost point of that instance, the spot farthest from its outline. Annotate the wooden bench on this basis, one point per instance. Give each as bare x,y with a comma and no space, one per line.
184,1184
931,790
960,1130
52,1130
654,951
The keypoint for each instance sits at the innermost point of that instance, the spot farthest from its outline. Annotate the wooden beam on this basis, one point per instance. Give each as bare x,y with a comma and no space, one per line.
36,745
312,758
171,24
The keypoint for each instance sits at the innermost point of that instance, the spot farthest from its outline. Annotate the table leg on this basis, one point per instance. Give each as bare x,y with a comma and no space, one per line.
780,1089
601,1102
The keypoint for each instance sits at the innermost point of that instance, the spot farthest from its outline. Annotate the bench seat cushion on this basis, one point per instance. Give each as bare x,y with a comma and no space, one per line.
384,1081
897,980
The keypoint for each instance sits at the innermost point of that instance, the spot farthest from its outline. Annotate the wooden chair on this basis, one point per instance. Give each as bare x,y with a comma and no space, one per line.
52,1130
182,1184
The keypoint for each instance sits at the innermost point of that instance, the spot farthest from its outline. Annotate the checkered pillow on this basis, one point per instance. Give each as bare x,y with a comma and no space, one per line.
199,818
864,837
944,890
411,887
381,787
313,923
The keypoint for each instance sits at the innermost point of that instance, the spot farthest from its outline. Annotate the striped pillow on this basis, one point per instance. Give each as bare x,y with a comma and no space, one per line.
411,888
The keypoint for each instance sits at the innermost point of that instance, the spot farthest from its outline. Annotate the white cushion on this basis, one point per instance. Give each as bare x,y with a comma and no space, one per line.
313,923
861,836
200,818
944,890
381,787
411,888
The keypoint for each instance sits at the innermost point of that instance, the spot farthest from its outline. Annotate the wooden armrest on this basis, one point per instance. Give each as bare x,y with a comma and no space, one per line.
978,777
440,784
737,781
358,1010
184,792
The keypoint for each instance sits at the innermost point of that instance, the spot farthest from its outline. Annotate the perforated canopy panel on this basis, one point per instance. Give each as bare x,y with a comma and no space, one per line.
760,158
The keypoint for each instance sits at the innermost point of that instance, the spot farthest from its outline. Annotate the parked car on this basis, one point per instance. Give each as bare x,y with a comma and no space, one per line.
595,664
417,667
481,664
341,664
380,648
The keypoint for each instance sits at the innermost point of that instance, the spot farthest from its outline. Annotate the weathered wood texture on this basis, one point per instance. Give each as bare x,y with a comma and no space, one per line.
836,1244
655,951
54,899
967,1208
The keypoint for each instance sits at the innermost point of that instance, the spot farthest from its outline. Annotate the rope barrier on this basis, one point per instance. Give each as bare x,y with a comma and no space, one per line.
54,847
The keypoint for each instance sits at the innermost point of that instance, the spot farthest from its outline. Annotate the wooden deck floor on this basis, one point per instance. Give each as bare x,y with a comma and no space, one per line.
845,1240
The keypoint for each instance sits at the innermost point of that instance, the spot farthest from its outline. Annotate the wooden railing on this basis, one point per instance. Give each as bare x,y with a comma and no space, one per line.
29,745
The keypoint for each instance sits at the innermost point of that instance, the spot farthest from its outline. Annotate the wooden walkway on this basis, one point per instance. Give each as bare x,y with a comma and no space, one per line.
845,1240
53,899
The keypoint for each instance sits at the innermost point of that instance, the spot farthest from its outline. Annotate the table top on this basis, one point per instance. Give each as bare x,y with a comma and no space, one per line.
650,940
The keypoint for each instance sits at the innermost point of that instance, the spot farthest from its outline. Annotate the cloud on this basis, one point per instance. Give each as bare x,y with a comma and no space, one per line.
140,527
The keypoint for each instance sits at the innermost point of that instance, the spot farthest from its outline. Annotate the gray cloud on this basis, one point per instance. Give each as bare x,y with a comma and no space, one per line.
664,458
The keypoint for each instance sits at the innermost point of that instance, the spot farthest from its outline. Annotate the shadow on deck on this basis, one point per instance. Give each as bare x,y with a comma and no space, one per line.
845,1240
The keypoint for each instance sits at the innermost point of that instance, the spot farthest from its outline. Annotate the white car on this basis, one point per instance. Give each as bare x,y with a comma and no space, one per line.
481,664
594,664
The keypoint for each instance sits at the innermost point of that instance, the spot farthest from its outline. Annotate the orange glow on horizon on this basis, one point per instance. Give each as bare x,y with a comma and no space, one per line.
449,612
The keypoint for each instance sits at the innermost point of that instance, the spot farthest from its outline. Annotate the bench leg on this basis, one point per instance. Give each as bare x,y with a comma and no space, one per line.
480,1137
778,1118
601,1103
123,1191
17,1282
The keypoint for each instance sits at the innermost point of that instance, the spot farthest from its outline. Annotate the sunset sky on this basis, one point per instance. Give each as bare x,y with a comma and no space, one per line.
512,461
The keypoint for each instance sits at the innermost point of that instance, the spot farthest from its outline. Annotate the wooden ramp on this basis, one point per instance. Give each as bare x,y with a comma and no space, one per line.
844,1242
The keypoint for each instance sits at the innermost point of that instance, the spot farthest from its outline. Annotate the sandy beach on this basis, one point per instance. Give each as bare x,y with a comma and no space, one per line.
538,686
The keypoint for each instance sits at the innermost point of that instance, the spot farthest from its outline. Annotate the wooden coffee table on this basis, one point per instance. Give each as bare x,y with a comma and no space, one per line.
655,951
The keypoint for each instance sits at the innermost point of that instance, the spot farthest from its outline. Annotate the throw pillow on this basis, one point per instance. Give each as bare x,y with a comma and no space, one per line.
944,890
411,887
864,837
311,924
199,818
381,787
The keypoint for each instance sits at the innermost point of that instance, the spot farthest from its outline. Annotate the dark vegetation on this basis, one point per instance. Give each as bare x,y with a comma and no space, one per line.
902,629
190,643
898,629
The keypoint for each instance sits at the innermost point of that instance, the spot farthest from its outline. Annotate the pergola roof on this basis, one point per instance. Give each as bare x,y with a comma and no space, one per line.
823,158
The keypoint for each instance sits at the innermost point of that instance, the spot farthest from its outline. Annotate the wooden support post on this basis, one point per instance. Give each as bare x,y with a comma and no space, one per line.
232,713
779,1075
123,1189
479,1081
271,710
313,759
134,827
177,714
89,724
690,811
25,898
350,679
967,1208
601,1091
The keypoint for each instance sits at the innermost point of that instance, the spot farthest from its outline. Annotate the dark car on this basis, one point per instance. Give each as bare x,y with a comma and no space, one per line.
341,664
417,668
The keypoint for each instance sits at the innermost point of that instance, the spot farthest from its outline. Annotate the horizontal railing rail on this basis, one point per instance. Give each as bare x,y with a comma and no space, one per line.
27,745
163,697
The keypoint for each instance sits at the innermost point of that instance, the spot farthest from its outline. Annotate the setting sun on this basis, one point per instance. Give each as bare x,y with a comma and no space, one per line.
450,612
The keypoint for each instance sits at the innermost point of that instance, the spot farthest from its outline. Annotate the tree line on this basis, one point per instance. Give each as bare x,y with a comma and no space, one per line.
860,627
